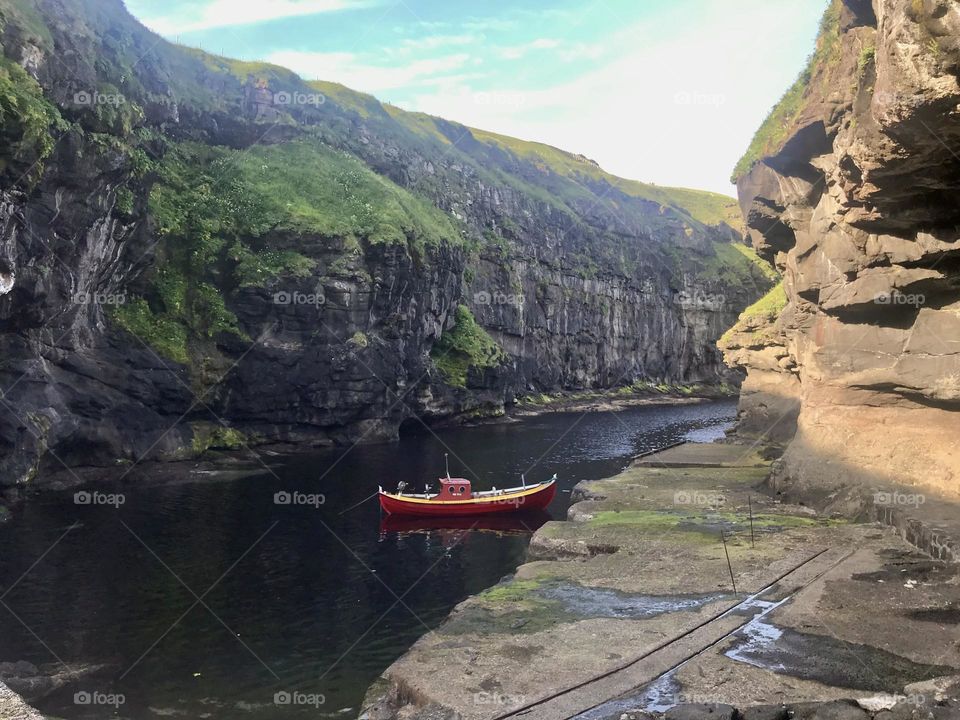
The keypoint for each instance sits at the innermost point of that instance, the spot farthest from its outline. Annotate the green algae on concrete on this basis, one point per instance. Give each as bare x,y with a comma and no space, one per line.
709,523
531,617
511,606
509,591
652,487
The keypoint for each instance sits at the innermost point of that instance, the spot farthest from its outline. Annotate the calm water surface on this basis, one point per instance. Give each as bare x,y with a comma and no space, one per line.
204,598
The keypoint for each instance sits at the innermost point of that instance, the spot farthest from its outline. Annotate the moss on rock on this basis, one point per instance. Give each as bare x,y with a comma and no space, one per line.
209,436
466,345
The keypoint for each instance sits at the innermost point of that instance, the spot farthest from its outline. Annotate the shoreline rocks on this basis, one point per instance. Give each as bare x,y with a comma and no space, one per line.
13,707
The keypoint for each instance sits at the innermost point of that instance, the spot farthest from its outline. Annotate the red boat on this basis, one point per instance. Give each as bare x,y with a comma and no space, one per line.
456,498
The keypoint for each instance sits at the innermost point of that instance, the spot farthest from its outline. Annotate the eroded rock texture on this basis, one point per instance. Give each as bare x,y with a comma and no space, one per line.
859,211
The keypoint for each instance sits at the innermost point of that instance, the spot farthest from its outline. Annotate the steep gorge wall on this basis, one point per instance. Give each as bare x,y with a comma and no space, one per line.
857,207
130,327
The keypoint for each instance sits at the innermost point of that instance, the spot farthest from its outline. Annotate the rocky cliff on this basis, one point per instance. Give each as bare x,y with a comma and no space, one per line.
850,188
199,252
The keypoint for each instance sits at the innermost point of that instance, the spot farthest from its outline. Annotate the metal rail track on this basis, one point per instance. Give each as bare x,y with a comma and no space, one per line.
670,654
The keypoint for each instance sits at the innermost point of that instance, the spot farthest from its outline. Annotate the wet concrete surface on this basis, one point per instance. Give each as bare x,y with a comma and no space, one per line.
940,616
826,659
601,602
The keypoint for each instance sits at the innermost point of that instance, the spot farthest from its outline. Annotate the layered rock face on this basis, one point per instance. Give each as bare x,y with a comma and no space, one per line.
199,253
857,207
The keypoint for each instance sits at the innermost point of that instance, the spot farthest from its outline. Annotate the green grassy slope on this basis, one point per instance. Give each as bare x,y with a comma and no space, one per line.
778,125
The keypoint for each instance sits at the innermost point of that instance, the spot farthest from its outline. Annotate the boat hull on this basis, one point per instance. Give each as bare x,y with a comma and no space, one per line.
535,498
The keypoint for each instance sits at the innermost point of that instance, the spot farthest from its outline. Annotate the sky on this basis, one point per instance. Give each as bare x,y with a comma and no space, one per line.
663,91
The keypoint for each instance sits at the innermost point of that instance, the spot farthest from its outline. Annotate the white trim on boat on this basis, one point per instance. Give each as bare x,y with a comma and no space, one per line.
495,492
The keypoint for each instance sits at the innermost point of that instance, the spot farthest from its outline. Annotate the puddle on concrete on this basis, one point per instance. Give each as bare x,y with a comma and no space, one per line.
658,697
825,659
755,637
906,565
523,607
763,644
665,692
605,603
901,572
942,616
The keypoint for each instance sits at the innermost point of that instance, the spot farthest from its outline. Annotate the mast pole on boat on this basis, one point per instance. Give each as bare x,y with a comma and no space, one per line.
446,460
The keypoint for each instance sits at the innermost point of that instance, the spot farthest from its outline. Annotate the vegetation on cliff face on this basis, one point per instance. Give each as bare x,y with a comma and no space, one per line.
214,206
759,315
164,333
770,305
466,345
27,119
302,187
779,124
727,269
756,261
210,436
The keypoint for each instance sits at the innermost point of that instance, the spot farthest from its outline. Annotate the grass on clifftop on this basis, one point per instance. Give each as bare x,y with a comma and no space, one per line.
780,122
302,187
736,265
464,346
215,209
705,207
768,307
758,262
710,208
361,103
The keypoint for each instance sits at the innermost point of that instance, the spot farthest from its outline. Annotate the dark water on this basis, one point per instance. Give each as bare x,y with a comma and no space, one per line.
205,598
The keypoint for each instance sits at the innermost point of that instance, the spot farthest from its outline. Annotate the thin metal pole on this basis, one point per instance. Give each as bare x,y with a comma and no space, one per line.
750,505
446,459
729,566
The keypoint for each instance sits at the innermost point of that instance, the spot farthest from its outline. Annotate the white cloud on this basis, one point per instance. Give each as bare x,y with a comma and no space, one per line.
432,42
350,70
583,51
490,24
516,52
226,13
677,109
544,44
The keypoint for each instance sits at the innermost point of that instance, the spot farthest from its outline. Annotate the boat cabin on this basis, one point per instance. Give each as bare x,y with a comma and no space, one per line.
453,489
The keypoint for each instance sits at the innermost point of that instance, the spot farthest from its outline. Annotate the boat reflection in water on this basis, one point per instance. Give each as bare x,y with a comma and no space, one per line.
453,528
